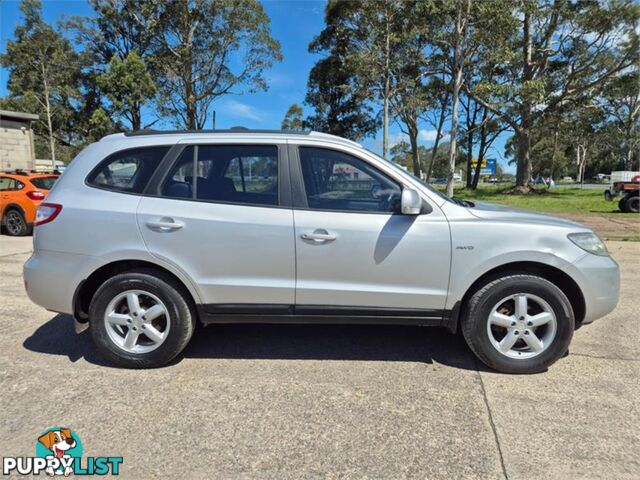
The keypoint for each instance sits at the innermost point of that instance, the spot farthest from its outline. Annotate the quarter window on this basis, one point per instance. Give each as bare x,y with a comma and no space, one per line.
6,183
246,174
128,170
337,181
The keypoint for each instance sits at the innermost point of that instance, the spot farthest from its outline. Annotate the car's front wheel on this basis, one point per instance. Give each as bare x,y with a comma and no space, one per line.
518,323
141,319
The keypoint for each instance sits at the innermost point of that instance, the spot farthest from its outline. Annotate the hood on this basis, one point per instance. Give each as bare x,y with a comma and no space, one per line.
490,211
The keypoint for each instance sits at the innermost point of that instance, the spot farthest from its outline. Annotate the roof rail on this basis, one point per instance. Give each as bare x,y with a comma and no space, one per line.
149,131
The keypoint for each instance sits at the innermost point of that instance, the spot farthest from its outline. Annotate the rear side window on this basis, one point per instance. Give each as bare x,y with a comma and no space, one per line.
128,170
246,174
45,183
7,183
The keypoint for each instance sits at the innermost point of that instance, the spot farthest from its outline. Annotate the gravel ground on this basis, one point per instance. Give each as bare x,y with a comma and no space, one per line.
326,401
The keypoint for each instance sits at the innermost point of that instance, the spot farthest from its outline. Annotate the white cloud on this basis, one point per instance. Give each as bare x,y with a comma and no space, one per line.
242,110
396,138
423,136
427,135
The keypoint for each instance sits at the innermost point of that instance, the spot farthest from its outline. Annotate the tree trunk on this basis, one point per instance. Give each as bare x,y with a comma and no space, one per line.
47,103
469,182
385,121
482,150
434,150
415,154
553,157
457,85
523,173
136,118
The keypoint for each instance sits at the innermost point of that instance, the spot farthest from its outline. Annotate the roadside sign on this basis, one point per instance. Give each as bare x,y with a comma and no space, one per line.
488,167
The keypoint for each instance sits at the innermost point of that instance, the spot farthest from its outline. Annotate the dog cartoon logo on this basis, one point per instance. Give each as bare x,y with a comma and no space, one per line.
59,442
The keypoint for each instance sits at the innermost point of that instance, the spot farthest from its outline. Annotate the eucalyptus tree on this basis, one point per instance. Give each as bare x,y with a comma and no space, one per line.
128,86
554,52
294,118
118,39
204,49
44,74
340,102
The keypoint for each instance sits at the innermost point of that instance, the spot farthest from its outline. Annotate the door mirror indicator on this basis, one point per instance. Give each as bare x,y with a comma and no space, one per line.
411,203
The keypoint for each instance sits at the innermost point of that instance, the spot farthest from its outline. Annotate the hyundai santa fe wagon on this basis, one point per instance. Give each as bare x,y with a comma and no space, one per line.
148,233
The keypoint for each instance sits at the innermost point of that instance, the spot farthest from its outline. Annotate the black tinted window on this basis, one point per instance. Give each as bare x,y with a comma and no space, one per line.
226,173
338,181
129,170
46,183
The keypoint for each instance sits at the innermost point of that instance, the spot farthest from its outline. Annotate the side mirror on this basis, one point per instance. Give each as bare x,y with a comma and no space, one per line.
411,203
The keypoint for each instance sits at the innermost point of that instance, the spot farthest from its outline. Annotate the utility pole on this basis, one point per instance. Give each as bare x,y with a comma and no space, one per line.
214,119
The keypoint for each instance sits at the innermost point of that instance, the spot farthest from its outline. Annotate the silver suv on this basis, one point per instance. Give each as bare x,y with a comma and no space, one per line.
148,233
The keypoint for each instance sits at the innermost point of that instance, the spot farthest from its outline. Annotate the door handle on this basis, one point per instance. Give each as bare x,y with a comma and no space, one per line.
319,236
165,225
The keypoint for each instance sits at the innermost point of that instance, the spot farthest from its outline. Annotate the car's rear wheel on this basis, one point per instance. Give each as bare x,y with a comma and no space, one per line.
518,323
15,224
141,319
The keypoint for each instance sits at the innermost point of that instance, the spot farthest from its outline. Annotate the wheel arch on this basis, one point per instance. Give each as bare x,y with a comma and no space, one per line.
87,288
13,206
553,274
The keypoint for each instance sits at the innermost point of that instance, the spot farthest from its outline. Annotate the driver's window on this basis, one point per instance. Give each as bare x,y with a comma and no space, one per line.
337,181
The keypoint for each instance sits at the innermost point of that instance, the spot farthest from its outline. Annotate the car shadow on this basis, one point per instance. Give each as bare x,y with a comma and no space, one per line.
386,343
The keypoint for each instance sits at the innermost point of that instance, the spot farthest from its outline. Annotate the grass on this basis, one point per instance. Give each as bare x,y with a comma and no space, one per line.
557,199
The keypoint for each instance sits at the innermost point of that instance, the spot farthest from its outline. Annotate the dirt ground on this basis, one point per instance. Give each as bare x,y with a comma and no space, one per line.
610,226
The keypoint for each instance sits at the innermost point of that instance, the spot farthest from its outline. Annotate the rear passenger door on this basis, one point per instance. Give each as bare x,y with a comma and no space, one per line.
222,215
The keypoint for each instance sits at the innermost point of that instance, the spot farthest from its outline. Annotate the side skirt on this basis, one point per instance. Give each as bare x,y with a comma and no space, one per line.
319,314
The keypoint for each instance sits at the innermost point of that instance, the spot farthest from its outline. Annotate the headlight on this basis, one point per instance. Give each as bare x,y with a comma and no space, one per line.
589,242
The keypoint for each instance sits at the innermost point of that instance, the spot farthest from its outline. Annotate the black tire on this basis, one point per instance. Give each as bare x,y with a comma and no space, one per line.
181,314
632,204
607,196
622,205
478,308
14,223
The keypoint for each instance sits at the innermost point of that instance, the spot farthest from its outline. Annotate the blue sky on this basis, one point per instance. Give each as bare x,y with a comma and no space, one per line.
293,24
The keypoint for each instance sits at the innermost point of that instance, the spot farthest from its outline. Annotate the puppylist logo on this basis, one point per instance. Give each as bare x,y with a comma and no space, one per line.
59,452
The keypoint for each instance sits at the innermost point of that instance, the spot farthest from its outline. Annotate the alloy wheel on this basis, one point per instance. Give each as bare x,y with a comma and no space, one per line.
137,321
521,326
14,222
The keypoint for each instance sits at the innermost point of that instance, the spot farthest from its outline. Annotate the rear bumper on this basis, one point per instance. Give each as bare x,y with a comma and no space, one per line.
599,279
51,278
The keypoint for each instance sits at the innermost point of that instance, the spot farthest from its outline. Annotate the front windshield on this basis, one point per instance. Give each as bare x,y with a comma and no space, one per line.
407,172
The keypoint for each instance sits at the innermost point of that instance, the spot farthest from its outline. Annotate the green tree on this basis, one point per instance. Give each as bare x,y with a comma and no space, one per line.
118,28
368,35
128,86
205,49
294,118
44,74
340,102
557,52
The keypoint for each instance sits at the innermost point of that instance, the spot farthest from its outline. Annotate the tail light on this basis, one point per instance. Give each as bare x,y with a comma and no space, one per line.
47,212
35,195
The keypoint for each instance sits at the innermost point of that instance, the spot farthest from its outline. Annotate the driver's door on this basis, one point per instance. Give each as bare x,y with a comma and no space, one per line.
354,250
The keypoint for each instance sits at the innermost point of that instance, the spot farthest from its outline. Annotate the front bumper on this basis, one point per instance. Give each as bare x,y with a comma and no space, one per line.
599,279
